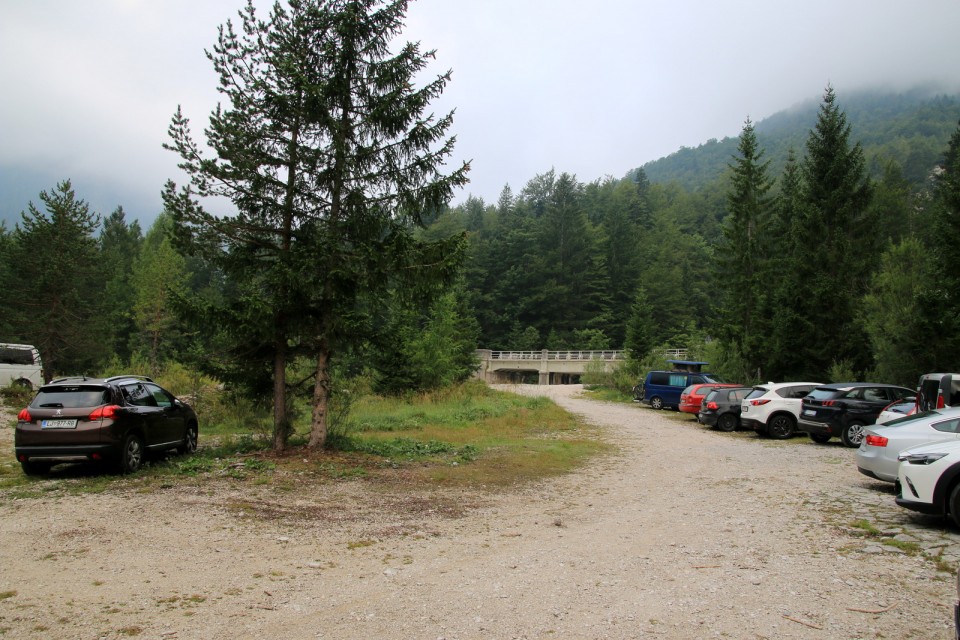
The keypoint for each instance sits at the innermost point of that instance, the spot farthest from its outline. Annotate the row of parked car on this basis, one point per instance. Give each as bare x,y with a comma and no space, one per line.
910,437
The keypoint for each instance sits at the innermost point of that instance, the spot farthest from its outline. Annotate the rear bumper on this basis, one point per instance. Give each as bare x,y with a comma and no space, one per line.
65,452
817,428
750,423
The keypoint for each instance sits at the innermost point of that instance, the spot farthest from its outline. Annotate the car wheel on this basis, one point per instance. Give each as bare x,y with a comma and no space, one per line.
781,427
189,444
656,402
819,438
35,468
852,434
727,422
131,455
954,505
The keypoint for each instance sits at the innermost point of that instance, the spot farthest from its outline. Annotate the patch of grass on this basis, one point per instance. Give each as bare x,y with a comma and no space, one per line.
910,547
469,435
6,595
867,527
608,394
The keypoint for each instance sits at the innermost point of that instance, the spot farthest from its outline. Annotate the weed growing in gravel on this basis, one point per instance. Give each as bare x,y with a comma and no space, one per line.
866,527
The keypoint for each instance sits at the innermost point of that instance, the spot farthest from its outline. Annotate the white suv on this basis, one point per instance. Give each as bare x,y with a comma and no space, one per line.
20,364
929,479
773,408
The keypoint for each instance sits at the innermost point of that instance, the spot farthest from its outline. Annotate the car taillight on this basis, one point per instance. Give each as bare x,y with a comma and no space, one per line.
24,416
712,406
940,403
759,403
828,403
106,411
877,441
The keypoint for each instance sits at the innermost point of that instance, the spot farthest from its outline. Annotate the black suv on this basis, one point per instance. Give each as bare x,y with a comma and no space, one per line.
113,420
845,408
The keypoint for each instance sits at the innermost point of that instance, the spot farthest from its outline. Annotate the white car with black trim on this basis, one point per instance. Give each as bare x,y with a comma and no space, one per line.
773,408
929,479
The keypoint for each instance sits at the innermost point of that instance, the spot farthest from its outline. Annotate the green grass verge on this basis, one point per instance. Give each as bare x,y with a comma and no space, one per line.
466,435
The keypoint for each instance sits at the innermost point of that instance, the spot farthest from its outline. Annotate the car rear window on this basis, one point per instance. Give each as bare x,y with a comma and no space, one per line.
71,397
822,394
756,393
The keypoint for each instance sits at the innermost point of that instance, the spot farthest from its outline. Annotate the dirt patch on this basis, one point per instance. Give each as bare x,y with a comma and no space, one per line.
683,533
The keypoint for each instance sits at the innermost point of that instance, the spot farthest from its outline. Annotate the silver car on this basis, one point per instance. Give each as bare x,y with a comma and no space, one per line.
877,455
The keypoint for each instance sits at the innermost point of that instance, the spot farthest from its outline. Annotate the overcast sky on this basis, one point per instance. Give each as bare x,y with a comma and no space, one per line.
591,88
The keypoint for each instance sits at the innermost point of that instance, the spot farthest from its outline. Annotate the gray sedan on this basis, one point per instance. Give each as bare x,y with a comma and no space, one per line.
877,455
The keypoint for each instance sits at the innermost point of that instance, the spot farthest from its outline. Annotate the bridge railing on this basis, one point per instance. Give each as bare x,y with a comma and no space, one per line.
557,355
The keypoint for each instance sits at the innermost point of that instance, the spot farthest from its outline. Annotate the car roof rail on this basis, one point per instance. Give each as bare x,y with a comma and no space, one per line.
71,379
129,377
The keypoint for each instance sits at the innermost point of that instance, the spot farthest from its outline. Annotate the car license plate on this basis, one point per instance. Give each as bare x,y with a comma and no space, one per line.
809,412
58,424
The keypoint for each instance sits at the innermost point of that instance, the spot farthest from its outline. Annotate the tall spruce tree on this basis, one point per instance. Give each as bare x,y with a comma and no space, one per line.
836,241
789,279
744,323
120,244
941,296
330,157
58,289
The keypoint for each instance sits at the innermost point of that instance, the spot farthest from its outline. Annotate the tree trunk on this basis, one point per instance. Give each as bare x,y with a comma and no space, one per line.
321,398
281,425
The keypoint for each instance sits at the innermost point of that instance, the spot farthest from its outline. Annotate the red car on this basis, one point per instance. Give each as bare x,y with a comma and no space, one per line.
692,397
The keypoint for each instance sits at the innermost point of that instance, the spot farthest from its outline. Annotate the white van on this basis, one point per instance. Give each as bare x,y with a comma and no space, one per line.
20,364
938,390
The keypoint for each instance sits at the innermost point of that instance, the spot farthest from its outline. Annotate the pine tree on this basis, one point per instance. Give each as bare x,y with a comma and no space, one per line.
940,298
789,276
743,324
120,244
58,287
836,242
330,157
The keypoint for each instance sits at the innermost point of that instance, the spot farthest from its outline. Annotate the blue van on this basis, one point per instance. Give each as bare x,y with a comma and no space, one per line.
663,388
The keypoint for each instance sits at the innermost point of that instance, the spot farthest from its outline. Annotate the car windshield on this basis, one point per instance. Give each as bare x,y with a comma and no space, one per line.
709,377
70,397
712,395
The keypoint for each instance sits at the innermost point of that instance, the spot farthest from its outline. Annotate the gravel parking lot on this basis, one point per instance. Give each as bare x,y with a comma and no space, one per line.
684,533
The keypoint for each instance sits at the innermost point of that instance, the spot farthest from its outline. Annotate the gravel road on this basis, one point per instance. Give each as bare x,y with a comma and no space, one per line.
683,533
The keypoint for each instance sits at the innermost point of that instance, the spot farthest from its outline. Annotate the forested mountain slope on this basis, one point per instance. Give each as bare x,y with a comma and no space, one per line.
911,127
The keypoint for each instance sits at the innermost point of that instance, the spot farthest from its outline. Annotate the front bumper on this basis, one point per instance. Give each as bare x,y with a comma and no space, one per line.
920,507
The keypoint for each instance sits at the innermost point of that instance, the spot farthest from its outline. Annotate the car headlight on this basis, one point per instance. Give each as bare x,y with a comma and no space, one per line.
920,458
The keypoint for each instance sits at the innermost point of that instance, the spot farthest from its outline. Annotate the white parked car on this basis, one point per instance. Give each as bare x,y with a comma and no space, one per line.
896,410
881,444
928,480
773,408
20,365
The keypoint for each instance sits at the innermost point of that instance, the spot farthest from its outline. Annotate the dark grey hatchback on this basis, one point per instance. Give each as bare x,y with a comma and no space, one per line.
111,420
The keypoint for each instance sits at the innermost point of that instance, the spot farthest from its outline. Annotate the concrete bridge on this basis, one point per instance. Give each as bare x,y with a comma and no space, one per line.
551,367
